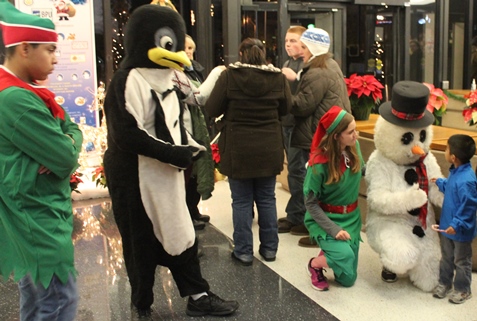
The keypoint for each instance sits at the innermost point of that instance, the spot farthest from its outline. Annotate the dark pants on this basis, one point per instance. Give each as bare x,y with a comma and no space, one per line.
297,159
245,193
456,256
143,252
192,197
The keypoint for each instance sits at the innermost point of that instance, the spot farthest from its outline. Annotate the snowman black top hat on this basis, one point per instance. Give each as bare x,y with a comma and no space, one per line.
407,107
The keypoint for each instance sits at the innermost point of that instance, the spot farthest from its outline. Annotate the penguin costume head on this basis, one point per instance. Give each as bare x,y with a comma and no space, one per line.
154,37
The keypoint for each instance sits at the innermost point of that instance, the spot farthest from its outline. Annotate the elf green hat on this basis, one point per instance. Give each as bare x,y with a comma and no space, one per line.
20,27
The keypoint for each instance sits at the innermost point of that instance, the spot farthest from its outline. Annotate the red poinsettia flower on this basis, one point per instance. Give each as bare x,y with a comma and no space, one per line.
471,98
467,113
438,101
470,110
75,180
99,177
215,153
365,85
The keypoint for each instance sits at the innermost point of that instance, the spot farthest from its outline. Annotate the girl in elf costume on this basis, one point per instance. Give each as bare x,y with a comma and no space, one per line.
331,198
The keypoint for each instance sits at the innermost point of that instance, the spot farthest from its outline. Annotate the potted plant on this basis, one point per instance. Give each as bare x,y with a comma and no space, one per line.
75,180
437,104
364,93
216,157
470,109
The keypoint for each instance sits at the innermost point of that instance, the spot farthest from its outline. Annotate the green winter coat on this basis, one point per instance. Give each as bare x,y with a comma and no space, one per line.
36,219
203,167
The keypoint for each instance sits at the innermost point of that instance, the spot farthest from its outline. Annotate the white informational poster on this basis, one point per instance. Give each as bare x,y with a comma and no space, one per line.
74,79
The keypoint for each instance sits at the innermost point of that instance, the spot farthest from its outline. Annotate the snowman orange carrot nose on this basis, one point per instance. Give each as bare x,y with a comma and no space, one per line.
417,150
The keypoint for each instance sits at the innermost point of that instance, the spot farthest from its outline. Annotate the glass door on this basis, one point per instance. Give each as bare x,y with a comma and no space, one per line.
329,19
262,25
376,43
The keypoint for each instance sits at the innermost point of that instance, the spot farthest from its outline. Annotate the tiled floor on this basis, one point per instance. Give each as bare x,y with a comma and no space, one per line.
277,290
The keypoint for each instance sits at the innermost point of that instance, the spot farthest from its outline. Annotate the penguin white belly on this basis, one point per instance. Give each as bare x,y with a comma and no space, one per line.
157,180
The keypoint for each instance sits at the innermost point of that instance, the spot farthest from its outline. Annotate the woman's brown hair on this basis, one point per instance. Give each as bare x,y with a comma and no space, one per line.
332,149
320,61
252,52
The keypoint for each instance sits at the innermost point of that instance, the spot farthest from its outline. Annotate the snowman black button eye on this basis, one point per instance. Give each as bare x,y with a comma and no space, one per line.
407,138
422,136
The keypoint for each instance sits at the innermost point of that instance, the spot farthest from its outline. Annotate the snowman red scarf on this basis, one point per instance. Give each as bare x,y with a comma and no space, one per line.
7,80
424,185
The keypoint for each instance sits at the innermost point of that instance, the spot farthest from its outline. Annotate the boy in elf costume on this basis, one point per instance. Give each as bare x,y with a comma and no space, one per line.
39,149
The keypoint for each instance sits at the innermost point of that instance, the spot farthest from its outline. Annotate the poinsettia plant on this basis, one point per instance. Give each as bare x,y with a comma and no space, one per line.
470,109
364,93
437,103
99,176
215,154
75,180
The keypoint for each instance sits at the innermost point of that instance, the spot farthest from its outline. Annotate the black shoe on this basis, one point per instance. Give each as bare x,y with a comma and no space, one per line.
307,242
299,230
202,218
200,251
267,255
210,304
388,276
242,261
140,314
285,226
198,226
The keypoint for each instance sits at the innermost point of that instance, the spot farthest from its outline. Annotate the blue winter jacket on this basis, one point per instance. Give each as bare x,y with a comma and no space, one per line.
460,203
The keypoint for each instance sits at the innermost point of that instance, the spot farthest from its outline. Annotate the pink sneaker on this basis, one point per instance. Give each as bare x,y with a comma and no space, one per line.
318,279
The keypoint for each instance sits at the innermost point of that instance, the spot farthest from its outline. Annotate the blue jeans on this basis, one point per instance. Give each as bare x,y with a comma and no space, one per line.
58,302
456,256
244,193
297,159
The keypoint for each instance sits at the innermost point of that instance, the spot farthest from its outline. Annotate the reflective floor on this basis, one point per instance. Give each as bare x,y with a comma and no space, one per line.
105,291
277,290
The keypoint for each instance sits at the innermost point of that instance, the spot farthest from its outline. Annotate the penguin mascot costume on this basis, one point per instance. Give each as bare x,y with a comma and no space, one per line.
399,193
148,150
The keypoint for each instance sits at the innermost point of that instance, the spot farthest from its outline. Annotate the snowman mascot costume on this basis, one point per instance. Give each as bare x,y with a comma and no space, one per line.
398,176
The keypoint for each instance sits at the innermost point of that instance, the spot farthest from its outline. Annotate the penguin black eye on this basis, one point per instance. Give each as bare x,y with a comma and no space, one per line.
422,136
166,43
165,38
407,138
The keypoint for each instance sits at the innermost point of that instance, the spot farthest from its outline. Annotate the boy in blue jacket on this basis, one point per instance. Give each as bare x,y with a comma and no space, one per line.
458,220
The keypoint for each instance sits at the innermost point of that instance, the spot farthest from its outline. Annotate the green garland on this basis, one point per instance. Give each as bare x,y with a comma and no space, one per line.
455,97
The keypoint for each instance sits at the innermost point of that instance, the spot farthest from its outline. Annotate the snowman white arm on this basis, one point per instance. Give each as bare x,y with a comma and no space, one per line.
388,193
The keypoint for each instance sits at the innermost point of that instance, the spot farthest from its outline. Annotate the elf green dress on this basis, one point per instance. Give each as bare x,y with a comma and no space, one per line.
341,256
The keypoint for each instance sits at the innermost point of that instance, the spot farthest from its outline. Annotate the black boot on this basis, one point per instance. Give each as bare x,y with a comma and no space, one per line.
198,226
202,218
140,314
388,276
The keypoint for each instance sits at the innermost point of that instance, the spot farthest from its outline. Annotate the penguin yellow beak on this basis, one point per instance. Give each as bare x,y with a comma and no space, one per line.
169,59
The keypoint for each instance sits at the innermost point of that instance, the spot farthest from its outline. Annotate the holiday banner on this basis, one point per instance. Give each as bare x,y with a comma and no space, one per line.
74,78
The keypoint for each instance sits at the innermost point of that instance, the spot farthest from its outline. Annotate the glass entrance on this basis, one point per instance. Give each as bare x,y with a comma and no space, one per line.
330,20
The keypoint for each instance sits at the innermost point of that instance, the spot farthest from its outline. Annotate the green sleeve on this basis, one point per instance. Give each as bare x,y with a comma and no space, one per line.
315,176
50,141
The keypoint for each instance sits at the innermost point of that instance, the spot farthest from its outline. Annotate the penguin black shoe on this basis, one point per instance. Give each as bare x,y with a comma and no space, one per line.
210,304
